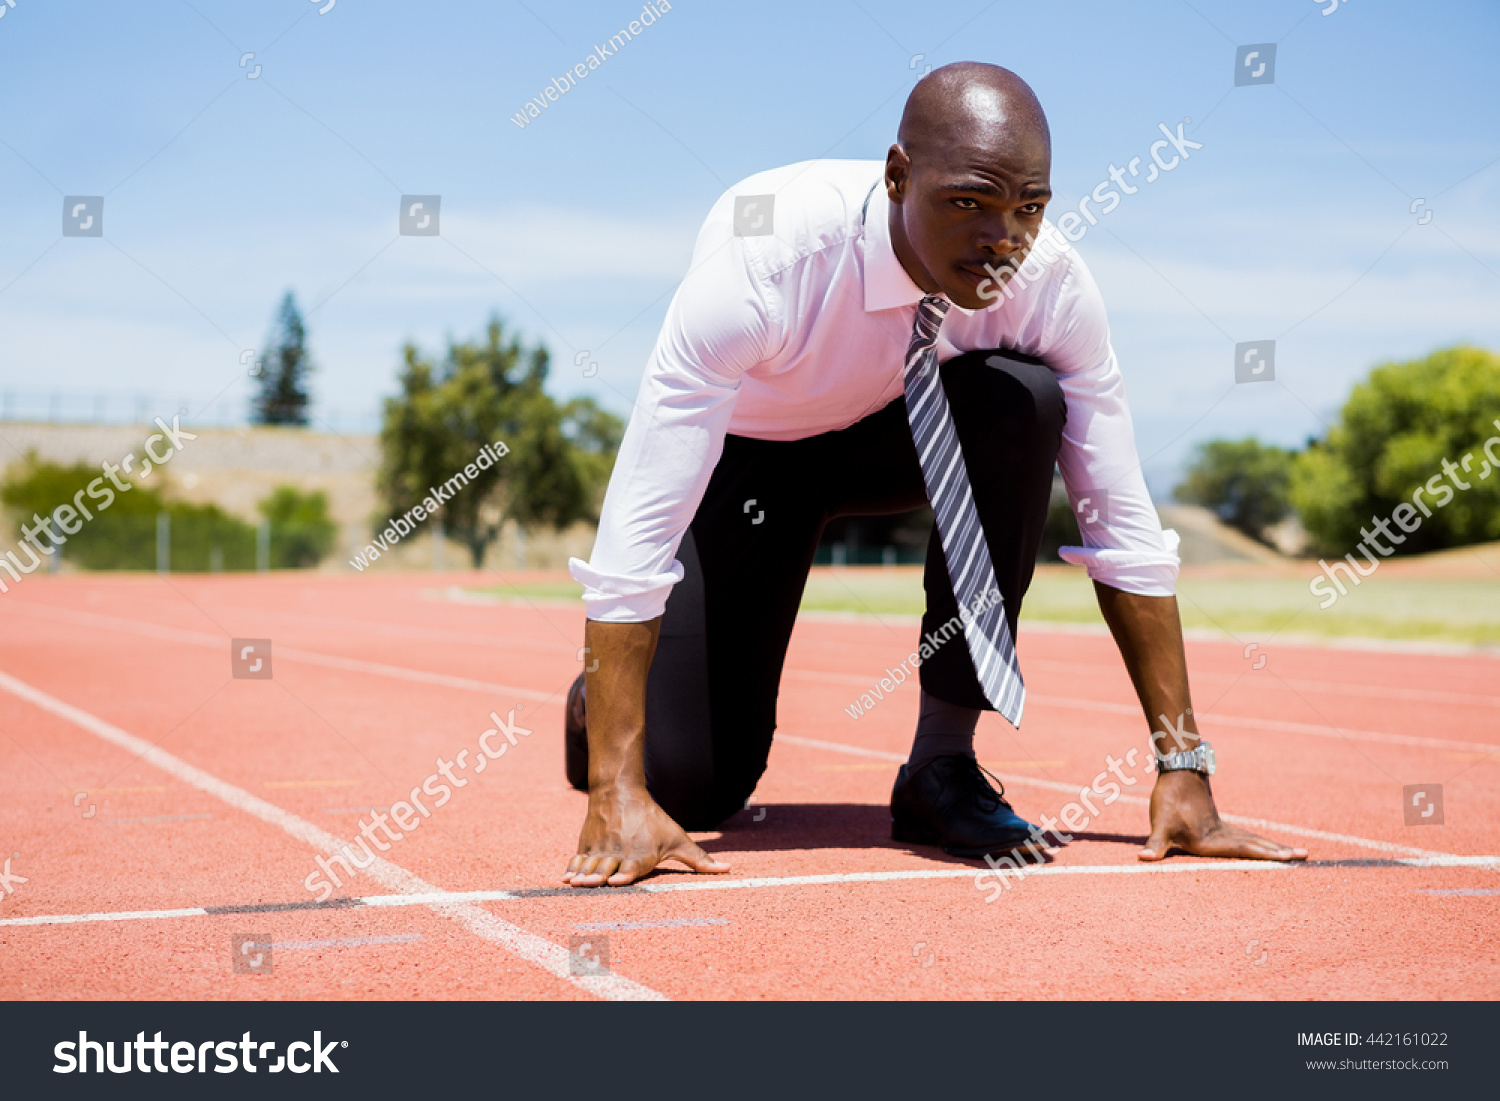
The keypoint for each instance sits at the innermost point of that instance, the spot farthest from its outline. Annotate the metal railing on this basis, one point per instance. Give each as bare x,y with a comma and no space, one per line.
140,407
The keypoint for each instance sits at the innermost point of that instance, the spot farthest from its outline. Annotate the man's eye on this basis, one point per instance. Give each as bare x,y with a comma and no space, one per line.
1032,208
972,204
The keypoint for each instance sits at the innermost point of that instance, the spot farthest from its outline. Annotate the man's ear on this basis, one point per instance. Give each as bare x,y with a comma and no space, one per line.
897,173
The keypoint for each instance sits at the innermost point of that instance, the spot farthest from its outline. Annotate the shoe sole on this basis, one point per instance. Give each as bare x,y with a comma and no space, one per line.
910,835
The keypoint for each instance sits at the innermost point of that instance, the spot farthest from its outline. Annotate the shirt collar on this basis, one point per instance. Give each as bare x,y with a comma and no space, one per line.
887,286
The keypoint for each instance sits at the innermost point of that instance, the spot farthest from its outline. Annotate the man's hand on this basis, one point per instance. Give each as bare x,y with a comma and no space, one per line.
1148,631
1183,815
625,836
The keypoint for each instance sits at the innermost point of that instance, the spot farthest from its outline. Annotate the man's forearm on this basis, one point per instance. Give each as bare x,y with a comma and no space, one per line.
1148,631
620,658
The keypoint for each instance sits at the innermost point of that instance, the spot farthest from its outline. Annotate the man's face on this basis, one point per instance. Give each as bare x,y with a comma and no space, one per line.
966,207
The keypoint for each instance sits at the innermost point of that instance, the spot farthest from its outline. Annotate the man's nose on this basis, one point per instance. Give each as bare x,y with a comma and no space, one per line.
1002,237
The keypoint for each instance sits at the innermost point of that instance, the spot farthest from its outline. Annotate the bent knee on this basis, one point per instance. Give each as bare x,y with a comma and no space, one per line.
700,798
1024,389
1042,392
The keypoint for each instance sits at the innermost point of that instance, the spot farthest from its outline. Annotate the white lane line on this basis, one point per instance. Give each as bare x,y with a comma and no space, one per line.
122,915
1287,641
426,898
1334,688
1466,891
719,883
840,747
1133,711
436,897
1054,785
396,672
1339,732
493,640
287,653
1291,640
543,953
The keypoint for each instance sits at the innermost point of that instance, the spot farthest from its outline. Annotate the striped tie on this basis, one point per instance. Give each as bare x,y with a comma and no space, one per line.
964,548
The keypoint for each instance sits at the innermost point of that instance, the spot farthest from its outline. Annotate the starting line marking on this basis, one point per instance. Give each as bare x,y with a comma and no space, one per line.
1056,785
546,955
718,883
552,957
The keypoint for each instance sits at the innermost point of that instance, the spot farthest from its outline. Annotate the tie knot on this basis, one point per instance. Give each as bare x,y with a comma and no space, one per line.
929,319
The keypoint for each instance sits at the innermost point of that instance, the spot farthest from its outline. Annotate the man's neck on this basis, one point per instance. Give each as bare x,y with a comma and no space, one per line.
905,255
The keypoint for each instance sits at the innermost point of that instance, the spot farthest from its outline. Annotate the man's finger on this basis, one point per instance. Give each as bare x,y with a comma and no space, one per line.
695,858
1249,846
596,871
631,870
587,862
1156,847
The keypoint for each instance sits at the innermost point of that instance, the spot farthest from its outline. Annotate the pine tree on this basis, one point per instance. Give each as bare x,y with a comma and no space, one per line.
284,370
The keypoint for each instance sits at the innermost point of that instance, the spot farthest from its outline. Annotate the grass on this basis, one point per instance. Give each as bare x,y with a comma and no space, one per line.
1386,605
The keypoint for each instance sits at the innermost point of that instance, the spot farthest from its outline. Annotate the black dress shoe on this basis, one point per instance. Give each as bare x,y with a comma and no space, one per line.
576,738
949,802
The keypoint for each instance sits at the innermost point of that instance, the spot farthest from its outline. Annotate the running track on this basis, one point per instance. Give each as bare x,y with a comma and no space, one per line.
208,798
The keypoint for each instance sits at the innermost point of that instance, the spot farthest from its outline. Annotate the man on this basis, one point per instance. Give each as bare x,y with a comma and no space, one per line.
833,352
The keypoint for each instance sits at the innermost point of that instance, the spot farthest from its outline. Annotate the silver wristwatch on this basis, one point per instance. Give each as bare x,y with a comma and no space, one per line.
1198,759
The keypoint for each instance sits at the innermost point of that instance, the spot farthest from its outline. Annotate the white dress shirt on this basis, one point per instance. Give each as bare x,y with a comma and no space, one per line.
804,331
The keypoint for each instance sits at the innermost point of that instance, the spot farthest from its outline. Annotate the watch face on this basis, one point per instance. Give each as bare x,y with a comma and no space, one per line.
1208,757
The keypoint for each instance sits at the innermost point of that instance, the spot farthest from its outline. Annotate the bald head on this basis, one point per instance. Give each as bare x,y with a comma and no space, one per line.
971,103
968,180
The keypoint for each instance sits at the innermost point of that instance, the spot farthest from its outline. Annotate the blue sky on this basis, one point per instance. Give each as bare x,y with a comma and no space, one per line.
1293,221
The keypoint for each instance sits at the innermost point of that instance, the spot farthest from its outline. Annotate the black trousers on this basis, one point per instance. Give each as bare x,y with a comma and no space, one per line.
711,694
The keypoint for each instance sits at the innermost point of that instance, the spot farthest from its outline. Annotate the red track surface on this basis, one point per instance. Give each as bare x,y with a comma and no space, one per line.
1317,740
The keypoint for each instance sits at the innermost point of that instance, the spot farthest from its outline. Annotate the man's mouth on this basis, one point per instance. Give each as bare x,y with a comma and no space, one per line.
993,273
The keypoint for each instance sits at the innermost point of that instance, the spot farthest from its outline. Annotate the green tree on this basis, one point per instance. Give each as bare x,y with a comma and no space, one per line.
301,532
1393,435
284,369
1245,482
119,531
482,392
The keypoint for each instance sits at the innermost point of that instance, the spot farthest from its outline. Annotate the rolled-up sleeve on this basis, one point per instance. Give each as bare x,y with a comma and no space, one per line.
720,324
1124,545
